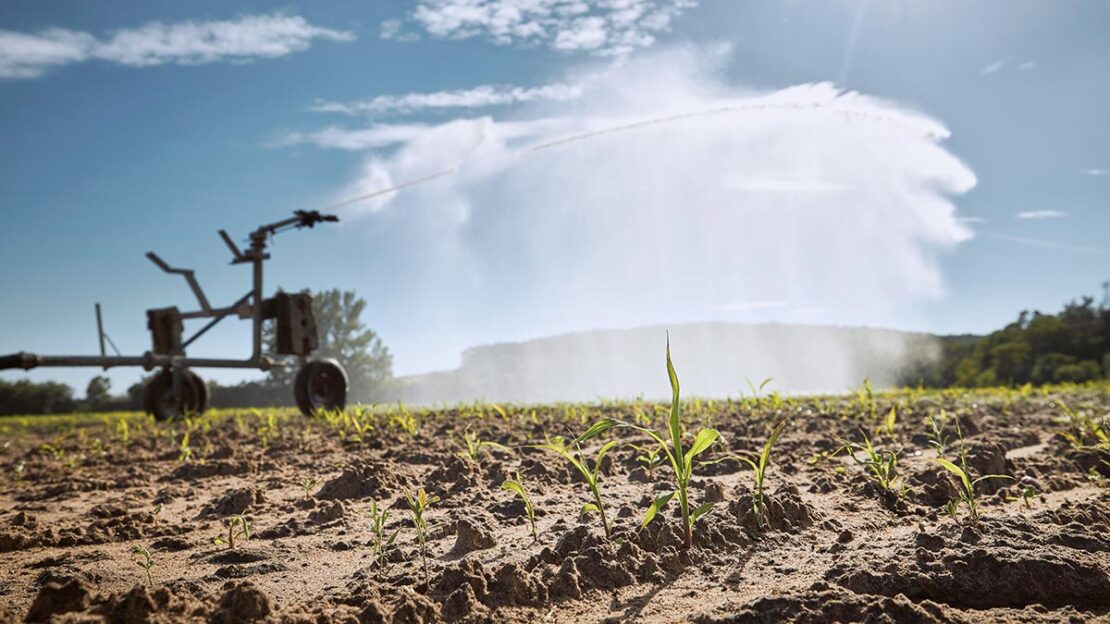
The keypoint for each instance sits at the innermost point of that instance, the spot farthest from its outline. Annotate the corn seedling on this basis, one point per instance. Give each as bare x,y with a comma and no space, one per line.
474,445
237,526
887,426
681,460
866,397
382,542
307,484
935,432
417,506
157,513
144,561
882,464
650,457
559,446
756,390
184,452
966,486
759,469
514,485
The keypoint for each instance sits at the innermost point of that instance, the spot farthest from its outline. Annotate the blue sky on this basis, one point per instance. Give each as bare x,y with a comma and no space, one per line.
964,177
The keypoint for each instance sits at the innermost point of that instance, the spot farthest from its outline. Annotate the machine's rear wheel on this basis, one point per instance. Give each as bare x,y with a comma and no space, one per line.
320,384
160,402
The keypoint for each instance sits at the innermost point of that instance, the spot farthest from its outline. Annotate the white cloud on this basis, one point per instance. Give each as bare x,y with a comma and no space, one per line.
26,55
994,67
604,27
392,29
1095,172
477,97
1027,65
1044,244
1040,214
658,194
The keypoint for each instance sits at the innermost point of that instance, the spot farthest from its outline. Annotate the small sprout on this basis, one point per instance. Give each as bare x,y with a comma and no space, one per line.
966,485
184,452
760,471
145,561
887,427
19,470
937,439
514,485
307,484
474,444
1027,494
382,543
237,526
882,464
559,446
650,457
417,506
157,513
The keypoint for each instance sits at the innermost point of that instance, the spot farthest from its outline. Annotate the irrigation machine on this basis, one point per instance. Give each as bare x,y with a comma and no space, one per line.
176,389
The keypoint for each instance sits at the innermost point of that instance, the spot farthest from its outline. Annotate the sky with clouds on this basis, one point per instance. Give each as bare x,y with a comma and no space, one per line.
558,165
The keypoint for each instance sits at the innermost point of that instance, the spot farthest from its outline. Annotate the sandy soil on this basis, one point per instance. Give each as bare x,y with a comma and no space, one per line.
838,547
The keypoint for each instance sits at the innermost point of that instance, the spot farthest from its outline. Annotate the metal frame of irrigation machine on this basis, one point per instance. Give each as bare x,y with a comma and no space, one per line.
176,389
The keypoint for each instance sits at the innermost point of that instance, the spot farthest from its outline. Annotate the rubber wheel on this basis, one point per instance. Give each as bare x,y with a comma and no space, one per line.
203,394
159,401
320,385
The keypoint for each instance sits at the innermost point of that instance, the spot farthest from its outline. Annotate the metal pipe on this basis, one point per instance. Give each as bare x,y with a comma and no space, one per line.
223,314
256,350
100,330
148,361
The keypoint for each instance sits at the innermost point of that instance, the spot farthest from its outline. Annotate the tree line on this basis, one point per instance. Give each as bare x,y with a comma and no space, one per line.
1072,345
342,335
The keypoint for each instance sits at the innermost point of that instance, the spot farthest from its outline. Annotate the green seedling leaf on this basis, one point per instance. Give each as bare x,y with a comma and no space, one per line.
659,503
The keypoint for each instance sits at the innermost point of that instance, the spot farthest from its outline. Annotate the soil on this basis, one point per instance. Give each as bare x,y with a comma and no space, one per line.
830,544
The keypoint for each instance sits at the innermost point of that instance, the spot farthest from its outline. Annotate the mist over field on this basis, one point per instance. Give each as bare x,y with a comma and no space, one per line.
713,360
658,195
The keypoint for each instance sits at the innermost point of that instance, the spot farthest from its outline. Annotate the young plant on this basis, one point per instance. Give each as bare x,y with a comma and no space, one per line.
681,459
382,543
937,439
759,468
559,446
307,484
417,506
514,485
650,457
157,513
965,488
237,526
184,452
145,561
882,464
866,397
474,445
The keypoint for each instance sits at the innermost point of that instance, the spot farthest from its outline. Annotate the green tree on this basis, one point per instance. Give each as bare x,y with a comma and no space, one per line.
99,391
346,338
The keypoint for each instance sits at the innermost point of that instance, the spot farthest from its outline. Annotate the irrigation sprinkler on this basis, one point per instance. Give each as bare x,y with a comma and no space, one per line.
176,389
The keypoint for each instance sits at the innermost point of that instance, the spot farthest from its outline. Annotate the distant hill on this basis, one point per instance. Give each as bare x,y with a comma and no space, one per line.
712,359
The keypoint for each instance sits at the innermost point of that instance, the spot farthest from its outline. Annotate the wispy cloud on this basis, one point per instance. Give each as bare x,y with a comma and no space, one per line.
1041,214
477,97
393,29
972,220
748,306
1027,65
608,27
992,68
1043,244
1095,172
30,55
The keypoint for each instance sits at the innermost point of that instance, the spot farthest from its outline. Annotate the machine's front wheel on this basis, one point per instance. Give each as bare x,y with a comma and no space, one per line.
160,402
320,384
